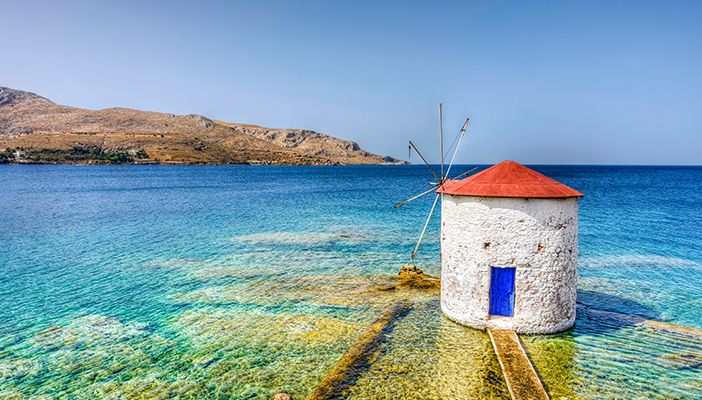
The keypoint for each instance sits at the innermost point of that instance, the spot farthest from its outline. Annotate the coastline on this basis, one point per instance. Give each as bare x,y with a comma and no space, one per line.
178,163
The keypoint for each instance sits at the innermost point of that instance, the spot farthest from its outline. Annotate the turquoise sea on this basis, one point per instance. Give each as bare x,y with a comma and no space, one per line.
243,281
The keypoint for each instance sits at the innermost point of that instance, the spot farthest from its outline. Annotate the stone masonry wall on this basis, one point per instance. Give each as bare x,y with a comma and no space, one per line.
537,236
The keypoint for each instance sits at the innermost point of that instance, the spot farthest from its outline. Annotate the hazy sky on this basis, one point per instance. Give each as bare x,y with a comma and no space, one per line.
553,82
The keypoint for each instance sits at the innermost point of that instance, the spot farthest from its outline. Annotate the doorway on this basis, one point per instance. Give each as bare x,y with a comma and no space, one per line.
502,291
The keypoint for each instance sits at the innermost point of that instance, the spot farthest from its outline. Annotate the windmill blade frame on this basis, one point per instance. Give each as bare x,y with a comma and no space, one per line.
451,147
425,160
441,139
460,139
402,203
444,171
426,224
464,174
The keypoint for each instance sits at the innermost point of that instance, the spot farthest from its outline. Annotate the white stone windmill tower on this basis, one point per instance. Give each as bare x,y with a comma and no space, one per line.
509,247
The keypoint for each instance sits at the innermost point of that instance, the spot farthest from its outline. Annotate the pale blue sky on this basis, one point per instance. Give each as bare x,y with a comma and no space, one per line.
554,82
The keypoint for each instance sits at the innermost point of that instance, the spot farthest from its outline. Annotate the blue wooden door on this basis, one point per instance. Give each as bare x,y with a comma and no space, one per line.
502,291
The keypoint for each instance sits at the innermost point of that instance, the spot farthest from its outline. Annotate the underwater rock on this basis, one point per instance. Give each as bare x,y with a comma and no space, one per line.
297,238
686,359
426,356
204,361
261,352
360,354
414,278
11,395
409,271
18,368
145,388
89,329
325,291
224,329
554,357
84,355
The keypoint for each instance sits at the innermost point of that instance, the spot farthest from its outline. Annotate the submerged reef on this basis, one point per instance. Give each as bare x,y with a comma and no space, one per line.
252,325
299,238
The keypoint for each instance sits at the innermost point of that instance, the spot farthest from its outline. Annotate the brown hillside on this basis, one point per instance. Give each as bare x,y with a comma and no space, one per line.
48,132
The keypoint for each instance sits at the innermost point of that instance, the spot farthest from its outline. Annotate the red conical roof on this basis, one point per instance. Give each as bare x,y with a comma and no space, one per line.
509,179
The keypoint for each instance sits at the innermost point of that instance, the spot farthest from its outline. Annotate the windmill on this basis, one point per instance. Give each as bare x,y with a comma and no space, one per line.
440,178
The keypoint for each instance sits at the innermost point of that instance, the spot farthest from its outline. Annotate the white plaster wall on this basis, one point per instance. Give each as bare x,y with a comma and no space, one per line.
537,236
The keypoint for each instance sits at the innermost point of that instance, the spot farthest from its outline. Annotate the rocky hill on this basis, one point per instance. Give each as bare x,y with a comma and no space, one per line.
35,129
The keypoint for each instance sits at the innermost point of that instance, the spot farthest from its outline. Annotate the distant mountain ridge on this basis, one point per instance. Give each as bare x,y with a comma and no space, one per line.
35,129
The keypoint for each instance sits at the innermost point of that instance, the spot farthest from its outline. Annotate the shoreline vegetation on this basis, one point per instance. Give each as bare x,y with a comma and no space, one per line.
90,155
75,155
79,155
34,129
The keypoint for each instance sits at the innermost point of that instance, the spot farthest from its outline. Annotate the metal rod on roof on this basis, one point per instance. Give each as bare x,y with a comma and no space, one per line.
460,139
465,173
441,138
425,160
414,253
453,143
402,203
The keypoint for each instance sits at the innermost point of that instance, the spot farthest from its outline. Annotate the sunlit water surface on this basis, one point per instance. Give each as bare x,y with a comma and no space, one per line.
242,281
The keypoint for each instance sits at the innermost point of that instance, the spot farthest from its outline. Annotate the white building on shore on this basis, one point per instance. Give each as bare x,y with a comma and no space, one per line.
509,250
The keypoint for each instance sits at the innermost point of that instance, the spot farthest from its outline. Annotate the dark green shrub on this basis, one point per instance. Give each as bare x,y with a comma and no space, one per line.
7,156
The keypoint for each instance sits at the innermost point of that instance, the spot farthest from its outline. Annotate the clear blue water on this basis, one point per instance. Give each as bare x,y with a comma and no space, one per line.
242,281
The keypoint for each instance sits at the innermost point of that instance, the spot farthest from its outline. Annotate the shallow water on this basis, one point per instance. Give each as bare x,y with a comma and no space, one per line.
221,282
